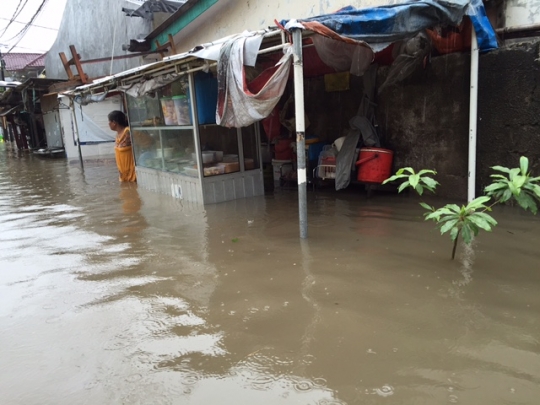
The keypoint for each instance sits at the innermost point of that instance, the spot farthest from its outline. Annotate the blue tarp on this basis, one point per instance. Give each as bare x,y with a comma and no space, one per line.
386,24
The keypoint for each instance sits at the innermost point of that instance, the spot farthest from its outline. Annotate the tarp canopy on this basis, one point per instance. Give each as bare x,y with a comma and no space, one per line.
380,26
347,40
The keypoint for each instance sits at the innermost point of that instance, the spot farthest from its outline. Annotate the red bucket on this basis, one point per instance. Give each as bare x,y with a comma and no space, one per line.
374,165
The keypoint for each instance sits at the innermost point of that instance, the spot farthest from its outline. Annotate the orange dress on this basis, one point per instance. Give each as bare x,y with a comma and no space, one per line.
124,157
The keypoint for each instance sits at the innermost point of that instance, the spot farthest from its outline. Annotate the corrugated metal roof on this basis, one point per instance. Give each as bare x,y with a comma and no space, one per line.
38,62
19,61
209,51
148,8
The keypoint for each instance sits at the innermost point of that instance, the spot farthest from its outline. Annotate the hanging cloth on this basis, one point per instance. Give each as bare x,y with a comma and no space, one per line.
240,104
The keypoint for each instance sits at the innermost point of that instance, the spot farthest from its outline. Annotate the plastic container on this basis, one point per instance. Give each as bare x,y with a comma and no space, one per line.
374,165
327,167
206,91
165,153
182,110
314,150
353,165
281,167
169,113
338,143
218,154
208,157
168,152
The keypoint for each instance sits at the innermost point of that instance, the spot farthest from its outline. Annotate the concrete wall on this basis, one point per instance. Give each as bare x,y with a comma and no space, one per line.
231,16
522,12
425,119
97,28
509,108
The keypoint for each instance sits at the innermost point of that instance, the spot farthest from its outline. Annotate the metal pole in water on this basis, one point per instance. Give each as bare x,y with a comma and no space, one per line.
300,130
473,117
72,107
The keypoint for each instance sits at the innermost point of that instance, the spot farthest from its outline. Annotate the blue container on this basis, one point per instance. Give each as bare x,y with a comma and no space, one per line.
206,91
314,150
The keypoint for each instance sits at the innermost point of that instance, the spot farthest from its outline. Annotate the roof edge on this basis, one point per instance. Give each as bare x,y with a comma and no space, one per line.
186,14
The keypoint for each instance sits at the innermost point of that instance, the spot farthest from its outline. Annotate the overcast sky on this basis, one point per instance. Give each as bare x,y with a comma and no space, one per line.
40,36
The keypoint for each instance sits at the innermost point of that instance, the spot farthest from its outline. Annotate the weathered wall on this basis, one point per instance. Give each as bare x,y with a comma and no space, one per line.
522,12
425,121
97,28
231,17
329,112
509,108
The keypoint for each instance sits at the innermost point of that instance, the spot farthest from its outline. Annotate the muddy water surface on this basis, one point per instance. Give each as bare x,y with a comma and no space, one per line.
115,295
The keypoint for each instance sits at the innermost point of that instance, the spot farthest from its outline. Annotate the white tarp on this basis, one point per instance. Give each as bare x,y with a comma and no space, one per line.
92,120
237,105
211,51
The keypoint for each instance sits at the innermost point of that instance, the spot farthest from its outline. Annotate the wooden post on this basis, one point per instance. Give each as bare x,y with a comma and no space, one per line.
74,61
67,66
77,62
161,53
171,43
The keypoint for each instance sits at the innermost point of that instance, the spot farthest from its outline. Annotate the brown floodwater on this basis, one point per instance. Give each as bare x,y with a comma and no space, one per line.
111,294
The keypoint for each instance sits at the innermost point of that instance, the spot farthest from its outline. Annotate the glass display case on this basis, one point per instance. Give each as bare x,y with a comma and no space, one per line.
251,148
162,131
177,144
220,150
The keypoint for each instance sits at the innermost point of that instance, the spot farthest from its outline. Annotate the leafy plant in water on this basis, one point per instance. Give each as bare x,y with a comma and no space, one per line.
517,184
467,221
418,181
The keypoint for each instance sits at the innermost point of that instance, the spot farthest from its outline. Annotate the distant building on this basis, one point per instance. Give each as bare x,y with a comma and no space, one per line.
22,66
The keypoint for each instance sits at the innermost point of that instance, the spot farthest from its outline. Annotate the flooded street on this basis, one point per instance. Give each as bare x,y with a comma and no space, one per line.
111,294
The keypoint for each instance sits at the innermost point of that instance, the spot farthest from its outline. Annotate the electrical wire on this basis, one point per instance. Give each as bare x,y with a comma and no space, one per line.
15,15
28,24
30,49
23,31
12,17
33,25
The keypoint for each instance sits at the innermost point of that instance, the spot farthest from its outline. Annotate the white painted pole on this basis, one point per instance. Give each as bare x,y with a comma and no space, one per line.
473,117
300,130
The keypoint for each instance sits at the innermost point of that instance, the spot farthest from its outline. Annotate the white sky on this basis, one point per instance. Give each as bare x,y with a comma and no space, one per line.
40,36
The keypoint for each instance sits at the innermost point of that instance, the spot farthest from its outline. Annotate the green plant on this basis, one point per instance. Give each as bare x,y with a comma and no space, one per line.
518,184
417,181
464,220
467,221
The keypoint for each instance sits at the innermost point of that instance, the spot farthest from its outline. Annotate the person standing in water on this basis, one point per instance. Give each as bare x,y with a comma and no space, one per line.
123,149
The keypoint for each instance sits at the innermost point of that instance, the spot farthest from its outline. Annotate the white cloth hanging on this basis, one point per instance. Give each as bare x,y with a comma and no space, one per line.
237,106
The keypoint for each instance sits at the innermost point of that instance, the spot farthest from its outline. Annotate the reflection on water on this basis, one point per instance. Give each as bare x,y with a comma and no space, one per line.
112,294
